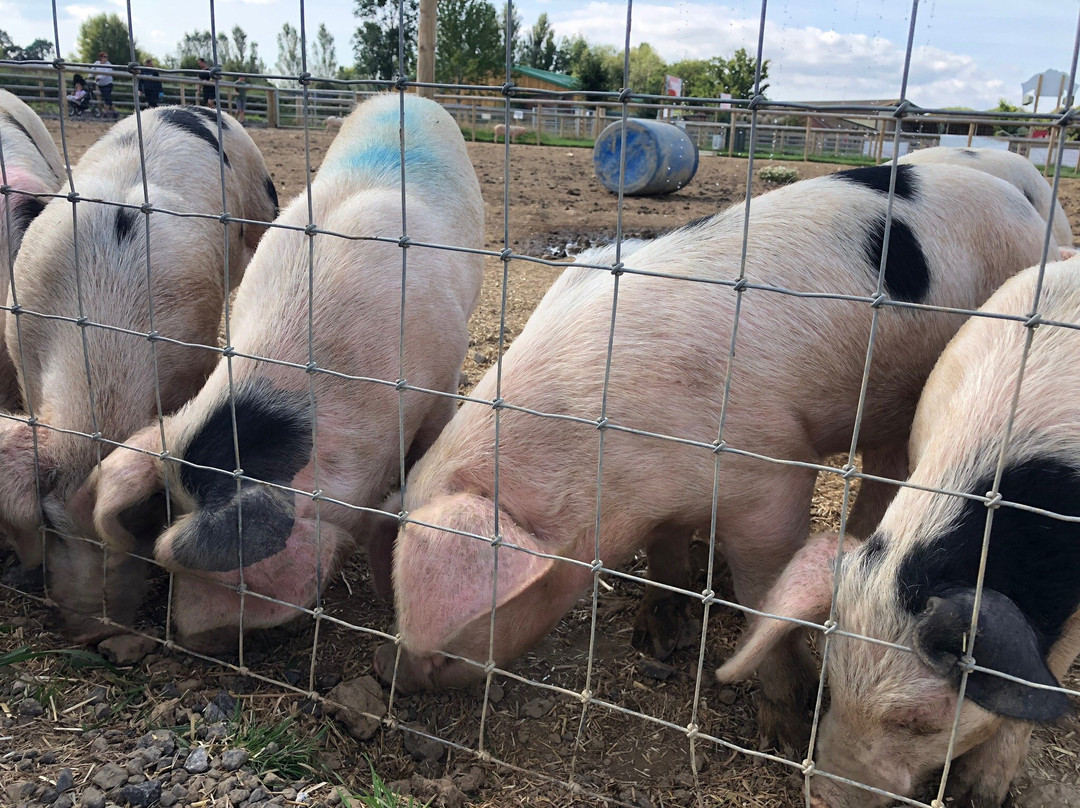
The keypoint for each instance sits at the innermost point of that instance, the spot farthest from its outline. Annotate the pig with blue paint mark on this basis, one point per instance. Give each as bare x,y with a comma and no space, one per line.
103,276
32,165
795,382
1012,168
338,436
912,583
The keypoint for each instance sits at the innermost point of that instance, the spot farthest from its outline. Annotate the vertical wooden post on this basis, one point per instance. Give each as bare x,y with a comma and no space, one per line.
539,122
806,141
183,100
971,133
425,47
1038,92
731,134
271,108
1049,151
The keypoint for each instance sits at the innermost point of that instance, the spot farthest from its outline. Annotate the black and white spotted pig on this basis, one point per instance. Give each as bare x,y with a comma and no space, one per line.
31,164
187,289
1012,168
292,544
794,392
912,583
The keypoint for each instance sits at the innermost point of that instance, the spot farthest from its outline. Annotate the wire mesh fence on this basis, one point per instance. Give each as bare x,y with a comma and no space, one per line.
594,441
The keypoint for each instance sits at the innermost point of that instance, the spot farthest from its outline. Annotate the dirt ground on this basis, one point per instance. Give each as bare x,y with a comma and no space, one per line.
555,206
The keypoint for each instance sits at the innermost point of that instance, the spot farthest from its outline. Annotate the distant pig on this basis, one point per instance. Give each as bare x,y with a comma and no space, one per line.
347,448
31,165
104,278
1012,168
913,582
794,393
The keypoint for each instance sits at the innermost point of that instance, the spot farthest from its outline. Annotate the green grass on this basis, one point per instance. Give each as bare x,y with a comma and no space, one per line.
481,135
380,795
281,748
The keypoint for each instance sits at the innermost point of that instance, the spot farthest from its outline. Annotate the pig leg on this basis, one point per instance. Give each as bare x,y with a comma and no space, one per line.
980,778
762,530
874,497
662,614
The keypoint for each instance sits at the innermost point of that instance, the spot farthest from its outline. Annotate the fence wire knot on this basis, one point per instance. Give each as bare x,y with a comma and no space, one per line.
229,351
505,253
966,663
401,83
237,474
16,309
1034,321
585,696
508,88
624,95
830,627
808,767
134,68
146,207
311,229
95,437
215,73
1066,117
936,803
311,367
404,242
401,384
153,336
994,501
82,322
496,540
901,108
707,595
602,423
741,285
756,102
317,495
848,471
5,189
225,218
719,446
73,197
304,78
617,269
497,404
164,454
596,566
32,420
58,63
692,731
878,300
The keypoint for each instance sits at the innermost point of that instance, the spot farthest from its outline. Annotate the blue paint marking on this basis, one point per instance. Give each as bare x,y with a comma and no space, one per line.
384,160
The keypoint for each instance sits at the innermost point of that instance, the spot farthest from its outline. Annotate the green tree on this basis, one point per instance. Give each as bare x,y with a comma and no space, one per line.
105,32
375,41
467,44
288,61
1005,106
194,45
234,56
696,76
597,67
647,69
38,50
736,75
323,61
515,33
538,49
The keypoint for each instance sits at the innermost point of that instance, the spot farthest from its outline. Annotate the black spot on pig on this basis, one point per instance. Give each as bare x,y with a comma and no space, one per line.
873,550
1032,559
125,223
24,210
876,178
273,432
907,275
147,519
271,192
212,117
970,152
183,118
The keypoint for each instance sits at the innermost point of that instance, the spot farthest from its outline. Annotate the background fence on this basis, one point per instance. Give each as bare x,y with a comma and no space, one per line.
578,693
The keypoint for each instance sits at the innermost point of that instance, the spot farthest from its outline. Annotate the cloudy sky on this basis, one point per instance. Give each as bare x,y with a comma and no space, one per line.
967,52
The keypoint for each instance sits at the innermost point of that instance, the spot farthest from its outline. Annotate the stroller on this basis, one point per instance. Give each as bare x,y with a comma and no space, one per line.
88,101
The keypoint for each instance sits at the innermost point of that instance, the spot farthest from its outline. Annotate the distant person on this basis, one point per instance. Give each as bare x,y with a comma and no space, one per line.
240,100
207,85
78,96
149,84
102,73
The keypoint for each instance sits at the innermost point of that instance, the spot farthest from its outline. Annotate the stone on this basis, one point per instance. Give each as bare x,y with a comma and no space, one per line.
31,708
48,759
126,649
495,693
136,765
354,702
422,748
233,759
538,708
727,696
21,791
198,761
238,795
217,732
258,794
92,798
65,781
654,669
64,801
142,795
161,739
168,799
109,776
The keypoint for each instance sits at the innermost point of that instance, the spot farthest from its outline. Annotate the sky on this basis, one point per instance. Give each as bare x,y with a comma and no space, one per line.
966,52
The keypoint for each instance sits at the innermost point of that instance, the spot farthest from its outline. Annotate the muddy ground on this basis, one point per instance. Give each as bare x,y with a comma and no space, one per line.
554,204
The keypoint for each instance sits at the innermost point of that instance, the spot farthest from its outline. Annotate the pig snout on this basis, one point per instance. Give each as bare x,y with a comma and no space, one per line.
413,672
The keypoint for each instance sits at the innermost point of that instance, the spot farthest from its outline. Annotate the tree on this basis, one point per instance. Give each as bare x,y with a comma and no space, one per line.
736,75
467,44
194,46
696,77
234,56
323,62
515,32
597,67
375,42
1005,106
538,48
288,61
39,50
647,70
105,32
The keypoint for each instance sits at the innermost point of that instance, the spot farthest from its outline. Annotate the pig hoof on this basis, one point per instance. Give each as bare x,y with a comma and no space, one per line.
385,662
979,794
659,623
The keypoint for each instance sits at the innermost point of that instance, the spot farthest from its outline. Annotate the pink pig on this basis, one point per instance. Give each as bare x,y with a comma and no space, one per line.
795,384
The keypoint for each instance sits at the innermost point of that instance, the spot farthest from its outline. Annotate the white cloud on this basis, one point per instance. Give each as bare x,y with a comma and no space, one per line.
806,63
82,12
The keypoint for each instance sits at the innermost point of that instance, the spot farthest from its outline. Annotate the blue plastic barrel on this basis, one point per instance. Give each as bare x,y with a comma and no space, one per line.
660,157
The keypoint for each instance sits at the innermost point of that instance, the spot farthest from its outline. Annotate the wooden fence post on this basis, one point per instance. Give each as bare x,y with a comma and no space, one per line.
271,108
806,140
731,134
971,133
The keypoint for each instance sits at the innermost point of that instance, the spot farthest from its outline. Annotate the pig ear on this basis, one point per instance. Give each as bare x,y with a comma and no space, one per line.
126,499
803,591
1006,642
1065,253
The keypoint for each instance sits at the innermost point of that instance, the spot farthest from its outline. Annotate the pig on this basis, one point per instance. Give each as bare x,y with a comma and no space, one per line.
794,393
333,123
1012,168
515,132
31,165
187,263
912,583
292,543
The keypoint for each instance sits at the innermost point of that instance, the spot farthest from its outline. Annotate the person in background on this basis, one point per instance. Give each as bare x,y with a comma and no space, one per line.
79,94
207,85
102,73
240,100
149,84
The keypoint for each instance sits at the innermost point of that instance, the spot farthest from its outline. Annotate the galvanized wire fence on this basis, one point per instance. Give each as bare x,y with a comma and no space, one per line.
753,111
